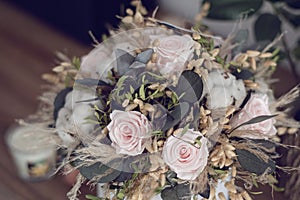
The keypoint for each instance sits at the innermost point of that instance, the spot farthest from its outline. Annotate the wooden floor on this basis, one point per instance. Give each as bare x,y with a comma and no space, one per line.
27,49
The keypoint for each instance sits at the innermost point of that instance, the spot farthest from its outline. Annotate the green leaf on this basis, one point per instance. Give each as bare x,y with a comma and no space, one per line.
254,120
76,62
105,173
179,192
296,52
293,3
277,189
91,82
267,27
92,197
190,84
232,9
142,92
60,100
144,56
176,115
253,163
243,74
124,60
293,19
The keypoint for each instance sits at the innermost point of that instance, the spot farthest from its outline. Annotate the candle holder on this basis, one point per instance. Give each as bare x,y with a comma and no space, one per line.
33,151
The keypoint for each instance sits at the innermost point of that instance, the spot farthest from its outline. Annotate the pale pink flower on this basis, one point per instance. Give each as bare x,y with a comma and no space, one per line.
256,106
129,131
184,155
173,52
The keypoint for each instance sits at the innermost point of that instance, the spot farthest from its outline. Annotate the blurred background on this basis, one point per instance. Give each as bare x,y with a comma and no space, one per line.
31,31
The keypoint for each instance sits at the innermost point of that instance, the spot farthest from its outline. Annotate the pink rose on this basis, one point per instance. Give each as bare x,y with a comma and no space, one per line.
185,158
173,52
129,132
257,105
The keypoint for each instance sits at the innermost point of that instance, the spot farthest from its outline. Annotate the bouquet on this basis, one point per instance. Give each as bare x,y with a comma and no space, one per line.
156,111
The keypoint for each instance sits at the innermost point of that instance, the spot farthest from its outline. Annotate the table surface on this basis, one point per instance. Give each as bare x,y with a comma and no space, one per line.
27,49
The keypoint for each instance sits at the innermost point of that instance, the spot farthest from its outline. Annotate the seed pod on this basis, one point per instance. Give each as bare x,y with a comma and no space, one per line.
230,154
162,180
269,63
245,195
253,63
178,131
252,53
138,18
228,162
245,64
139,102
58,69
292,130
233,171
224,121
196,36
131,107
265,55
156,43
212,192
149,148
230,187
214,52
229,147
50,78
281,130
154,144
129,11
169,93
221,196
153,86
230,111
148,107
241,58
227,127
215,158
170,131
125,103
127,19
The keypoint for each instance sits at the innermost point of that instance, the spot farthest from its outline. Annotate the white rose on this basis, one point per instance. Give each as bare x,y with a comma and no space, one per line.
72,117
222,89
184,158
129,131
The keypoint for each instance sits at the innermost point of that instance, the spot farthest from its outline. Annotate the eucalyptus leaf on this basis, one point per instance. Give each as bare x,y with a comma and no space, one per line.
105,173
178,192
266,144
293,19
254,120
253,163
243,74
232,9
176,115
137,65
191,85
87,100
293,3
267,27
91,82
124,60
60,101
144,56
